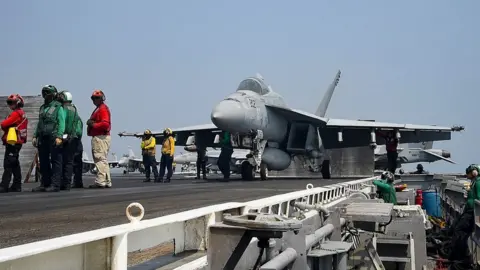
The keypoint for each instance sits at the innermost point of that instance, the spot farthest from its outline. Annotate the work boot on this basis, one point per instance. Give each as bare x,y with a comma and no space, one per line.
146,180
14,189
39,189
52,189
95,186
167,180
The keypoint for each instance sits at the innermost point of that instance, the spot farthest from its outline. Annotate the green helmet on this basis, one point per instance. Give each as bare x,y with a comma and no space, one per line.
471,168
49,89
65,96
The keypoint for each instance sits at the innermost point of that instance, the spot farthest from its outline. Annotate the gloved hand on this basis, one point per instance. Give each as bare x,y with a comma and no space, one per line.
58,141
90,122
34,142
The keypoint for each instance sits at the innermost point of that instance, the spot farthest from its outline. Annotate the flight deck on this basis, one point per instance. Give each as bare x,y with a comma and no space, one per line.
29,217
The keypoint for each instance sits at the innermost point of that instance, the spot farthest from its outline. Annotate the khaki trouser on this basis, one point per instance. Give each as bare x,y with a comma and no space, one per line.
100,148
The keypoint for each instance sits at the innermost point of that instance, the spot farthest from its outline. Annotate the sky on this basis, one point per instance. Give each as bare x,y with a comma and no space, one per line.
167,63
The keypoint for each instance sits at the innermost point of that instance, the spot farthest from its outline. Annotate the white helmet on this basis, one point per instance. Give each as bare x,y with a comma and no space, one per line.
67,96
386,175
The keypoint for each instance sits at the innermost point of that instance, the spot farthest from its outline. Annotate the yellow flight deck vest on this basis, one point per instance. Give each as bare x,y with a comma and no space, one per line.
148,146
168,146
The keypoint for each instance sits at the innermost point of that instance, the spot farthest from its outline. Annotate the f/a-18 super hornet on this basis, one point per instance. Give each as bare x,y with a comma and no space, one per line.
259,120
411,153
89,166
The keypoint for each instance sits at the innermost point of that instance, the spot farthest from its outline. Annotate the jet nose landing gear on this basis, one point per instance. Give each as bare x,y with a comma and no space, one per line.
254,164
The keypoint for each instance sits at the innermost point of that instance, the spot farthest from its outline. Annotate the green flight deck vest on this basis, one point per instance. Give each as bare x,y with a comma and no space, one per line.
47,122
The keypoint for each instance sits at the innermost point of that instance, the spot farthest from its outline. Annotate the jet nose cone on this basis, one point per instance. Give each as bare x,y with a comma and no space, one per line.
228,115
445,154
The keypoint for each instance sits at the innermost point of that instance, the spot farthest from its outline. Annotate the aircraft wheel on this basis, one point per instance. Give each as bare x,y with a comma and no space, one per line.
248,172
326,169
263,171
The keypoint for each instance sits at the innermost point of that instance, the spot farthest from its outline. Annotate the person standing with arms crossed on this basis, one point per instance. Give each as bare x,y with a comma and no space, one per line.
98,127
148,146
48,137
168,150
11,165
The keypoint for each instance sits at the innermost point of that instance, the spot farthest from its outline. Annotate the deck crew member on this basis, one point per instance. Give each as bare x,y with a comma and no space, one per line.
391,144
78,162
73,131
48,137
463,227
201,148
98,127
148,146
420,170
168,151
386,188
225,155
11,164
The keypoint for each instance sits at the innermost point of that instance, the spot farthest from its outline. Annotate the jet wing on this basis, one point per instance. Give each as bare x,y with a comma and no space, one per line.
357,133
182,134
438,157
111,163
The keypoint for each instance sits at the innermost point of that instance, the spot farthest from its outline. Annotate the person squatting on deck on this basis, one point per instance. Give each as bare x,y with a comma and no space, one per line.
71,138
11,164
98,127
148,146
48,139
168,151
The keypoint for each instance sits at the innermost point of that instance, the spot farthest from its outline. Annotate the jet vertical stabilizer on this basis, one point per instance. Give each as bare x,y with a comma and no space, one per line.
322,108
314,141
131,154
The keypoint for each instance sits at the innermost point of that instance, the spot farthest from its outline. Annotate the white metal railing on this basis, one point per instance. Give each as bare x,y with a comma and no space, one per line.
108,248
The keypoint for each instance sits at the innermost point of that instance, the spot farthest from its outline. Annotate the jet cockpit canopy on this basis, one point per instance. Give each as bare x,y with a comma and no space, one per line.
255,85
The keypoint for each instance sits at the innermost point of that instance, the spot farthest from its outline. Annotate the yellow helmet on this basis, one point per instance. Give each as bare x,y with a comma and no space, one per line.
168,131
147,132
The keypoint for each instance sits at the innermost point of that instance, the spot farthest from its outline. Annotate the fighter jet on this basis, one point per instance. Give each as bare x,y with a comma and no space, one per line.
260,120
89,166
411,153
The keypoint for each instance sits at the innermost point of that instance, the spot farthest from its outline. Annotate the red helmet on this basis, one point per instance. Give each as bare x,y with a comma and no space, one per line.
15,99
98,93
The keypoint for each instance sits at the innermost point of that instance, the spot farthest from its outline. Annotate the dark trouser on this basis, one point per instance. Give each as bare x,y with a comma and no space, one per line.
224,161
68,153
166,161
50,162
201,162
462,230
11,165
78,164
392,161
150,161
